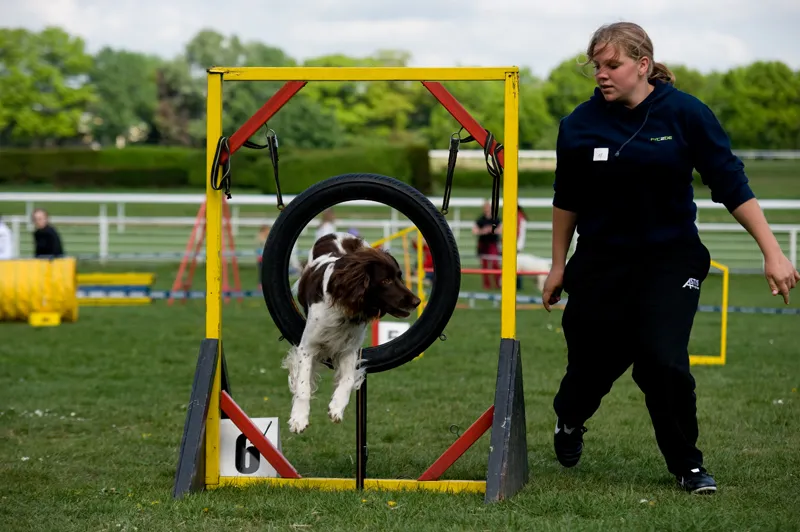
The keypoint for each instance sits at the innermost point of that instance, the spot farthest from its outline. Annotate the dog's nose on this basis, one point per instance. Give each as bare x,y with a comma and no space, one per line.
415,301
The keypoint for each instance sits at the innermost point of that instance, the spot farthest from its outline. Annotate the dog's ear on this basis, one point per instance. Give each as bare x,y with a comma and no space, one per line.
349,282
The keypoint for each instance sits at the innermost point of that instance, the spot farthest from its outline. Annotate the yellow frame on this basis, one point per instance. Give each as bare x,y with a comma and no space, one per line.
216,77
718,360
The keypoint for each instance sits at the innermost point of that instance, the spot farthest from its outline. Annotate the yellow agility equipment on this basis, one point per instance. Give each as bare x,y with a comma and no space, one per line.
718,360
101,289
40,291
203,449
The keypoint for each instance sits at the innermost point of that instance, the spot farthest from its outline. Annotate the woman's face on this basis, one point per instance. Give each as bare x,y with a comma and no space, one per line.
617,74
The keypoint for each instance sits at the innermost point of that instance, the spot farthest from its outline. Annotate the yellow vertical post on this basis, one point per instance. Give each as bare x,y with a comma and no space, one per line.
213,271
406,261
508,296
723,342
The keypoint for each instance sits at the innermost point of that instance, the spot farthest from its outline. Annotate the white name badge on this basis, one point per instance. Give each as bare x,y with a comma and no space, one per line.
600,154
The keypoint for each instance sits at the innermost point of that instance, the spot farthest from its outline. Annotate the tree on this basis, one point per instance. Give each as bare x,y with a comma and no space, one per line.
759,106
181,106
127,90
43,91
690,80
568,85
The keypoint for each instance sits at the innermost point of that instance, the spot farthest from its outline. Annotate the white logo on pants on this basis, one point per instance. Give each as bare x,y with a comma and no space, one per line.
692,283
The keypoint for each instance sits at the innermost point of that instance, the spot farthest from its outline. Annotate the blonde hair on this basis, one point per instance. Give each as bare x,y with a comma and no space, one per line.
631,39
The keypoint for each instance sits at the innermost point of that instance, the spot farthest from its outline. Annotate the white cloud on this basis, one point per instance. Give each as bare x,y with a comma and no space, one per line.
707,35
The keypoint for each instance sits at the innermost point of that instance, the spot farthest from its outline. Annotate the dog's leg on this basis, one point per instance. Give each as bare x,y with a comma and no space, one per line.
347,377
300,363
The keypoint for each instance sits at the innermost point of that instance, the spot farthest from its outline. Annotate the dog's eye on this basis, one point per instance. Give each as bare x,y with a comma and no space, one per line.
386,281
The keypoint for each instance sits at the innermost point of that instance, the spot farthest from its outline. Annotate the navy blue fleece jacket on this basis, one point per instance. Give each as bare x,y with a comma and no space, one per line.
627,173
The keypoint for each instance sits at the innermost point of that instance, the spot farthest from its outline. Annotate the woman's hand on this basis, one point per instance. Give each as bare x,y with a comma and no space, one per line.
781,275
551,294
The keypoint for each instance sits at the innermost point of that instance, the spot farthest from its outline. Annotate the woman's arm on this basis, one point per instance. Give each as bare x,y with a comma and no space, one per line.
563,231
724,174
779,271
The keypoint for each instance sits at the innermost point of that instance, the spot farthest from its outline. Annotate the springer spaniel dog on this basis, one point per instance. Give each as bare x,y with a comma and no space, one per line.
345,285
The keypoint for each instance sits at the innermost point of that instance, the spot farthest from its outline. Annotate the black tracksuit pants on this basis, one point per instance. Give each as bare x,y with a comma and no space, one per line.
635,307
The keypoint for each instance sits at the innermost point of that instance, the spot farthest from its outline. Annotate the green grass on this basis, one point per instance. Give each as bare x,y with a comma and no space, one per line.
97,407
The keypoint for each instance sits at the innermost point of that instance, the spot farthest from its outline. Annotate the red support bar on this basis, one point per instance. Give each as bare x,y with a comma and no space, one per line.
460,446
462,115
249,429
267,111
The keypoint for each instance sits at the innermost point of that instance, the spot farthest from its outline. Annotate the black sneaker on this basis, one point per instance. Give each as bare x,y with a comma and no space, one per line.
568,443
697,481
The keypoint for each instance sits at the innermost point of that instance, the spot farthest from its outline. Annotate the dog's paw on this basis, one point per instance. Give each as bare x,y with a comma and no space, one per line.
336,415
297,425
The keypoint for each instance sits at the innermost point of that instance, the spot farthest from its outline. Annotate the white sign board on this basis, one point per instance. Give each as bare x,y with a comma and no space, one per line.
389,330
238,457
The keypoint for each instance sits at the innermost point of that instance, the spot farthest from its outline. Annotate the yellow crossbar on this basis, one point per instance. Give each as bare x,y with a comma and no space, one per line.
346,484
116,279
363,73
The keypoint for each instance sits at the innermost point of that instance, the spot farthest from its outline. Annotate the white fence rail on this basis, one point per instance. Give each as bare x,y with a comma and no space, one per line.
551,154
121,236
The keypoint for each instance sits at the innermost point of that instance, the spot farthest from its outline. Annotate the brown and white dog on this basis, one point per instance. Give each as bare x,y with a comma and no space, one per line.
345,285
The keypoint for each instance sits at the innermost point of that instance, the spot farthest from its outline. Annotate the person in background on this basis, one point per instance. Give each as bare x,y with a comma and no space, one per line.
6,241
47,241
327,226
522,224
427,260
488,244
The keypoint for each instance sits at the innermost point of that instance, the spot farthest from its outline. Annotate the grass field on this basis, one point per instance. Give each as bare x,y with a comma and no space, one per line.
91,416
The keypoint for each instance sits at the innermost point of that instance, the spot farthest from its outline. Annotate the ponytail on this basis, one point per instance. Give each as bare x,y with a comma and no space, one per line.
662,73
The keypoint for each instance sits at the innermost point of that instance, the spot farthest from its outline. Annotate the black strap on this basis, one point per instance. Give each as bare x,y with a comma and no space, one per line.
494,168
272,144
451,167
222,144
273,154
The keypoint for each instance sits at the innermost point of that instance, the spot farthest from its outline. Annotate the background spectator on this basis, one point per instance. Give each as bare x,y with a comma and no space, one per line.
47,242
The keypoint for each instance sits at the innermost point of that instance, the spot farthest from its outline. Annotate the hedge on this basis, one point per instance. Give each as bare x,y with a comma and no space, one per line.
155,166
477,179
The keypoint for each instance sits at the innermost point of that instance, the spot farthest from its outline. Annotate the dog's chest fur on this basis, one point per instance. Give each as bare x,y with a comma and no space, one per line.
328,330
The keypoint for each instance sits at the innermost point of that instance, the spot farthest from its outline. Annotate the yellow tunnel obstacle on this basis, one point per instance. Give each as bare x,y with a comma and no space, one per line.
39,291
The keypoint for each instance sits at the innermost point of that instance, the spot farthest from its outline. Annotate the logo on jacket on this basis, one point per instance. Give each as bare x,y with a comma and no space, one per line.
692,283
660,139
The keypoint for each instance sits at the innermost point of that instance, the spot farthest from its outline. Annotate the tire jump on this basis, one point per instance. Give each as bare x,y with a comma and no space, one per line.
393,193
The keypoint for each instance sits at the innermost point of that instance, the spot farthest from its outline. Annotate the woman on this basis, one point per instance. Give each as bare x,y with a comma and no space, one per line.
624,181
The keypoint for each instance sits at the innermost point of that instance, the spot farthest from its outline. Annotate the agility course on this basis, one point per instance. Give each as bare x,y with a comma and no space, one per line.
211,401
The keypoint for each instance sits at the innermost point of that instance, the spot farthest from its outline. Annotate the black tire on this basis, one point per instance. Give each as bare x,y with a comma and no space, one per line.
382,189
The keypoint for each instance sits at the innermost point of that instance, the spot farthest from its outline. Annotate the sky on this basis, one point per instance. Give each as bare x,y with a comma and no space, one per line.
703,34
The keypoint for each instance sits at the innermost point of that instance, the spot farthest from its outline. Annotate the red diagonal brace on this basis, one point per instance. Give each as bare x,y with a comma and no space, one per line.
267,111
249,429
462,115
460,446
